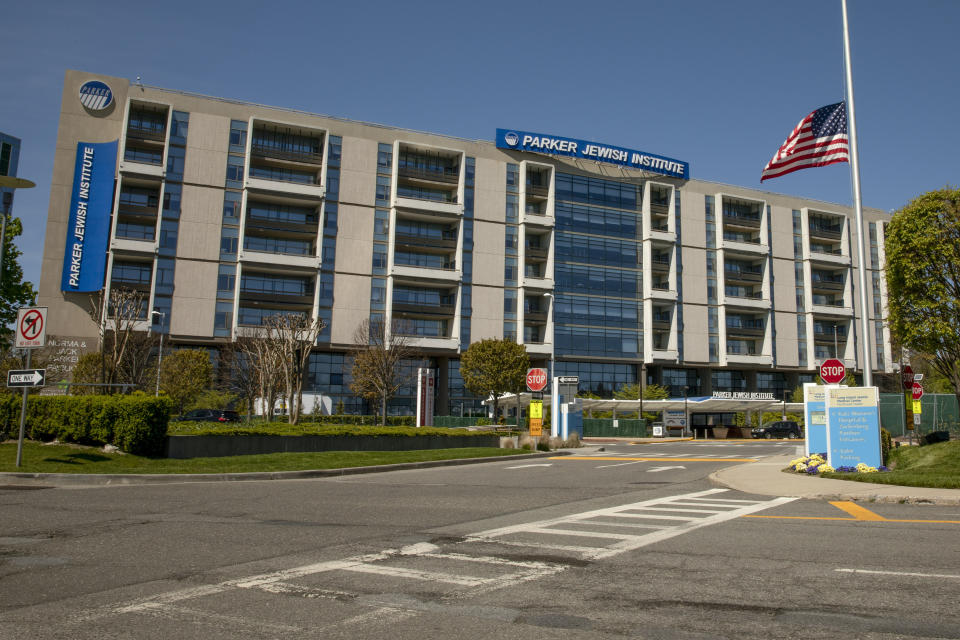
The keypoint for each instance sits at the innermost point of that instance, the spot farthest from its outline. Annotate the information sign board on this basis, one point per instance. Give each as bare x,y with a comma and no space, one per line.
853,426
815,418
31,328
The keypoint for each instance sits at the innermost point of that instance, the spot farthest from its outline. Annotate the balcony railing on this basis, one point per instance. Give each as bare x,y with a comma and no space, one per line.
152,134
449,175
291,155
538,190
746,275
425,308
738,350
740,219
660,209
536,252
446,241
834,232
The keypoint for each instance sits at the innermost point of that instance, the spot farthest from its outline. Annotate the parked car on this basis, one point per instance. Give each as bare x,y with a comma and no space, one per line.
208,415
779,429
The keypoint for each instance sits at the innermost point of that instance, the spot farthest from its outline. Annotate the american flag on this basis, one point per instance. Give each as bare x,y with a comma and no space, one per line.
820,139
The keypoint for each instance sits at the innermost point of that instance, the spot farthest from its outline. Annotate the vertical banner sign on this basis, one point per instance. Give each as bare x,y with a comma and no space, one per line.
88,229
853,426
425,392
815,418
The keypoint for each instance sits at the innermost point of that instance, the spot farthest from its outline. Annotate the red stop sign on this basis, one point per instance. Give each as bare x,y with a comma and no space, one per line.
832,371
536,379
906,376
917,390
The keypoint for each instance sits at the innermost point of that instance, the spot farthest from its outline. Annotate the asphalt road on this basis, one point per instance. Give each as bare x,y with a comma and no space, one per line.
631,541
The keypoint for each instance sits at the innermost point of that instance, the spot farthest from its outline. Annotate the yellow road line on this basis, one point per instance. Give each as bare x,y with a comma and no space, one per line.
858,512
624,458
854,519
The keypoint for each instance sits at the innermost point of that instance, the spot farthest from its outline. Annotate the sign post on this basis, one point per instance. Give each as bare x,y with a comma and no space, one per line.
31,334
906,379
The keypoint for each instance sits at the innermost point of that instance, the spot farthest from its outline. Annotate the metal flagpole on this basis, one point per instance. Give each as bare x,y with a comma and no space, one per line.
855,172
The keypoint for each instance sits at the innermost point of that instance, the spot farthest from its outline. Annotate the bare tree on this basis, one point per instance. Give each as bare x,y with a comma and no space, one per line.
294,338
260,355
238,374
123,351
378,355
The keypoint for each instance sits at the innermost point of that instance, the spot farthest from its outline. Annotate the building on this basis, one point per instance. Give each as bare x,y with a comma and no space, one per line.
613,262
9,160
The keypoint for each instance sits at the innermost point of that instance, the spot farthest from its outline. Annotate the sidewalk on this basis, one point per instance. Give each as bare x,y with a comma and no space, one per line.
766,477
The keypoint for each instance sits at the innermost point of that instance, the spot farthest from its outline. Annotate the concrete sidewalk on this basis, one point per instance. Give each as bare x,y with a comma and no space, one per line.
766,477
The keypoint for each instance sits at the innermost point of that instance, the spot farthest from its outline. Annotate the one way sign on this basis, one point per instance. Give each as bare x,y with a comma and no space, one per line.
26,377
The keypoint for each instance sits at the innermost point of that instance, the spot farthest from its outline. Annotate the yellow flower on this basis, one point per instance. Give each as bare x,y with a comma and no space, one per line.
825,468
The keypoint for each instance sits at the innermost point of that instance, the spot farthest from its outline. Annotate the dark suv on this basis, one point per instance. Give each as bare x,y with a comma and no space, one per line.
779,429
209,415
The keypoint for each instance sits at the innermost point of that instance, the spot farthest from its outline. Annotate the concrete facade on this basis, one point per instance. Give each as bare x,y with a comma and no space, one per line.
282,211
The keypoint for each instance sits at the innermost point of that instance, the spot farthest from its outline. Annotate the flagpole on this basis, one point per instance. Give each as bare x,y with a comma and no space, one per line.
858,207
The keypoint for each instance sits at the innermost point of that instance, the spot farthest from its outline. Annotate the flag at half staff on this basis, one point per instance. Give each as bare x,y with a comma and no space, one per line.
820,139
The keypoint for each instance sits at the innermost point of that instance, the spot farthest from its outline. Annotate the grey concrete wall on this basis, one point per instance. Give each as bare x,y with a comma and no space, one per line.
220,446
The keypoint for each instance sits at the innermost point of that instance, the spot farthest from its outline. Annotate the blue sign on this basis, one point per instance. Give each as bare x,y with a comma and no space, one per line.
88,230
853,427
560,146
815,417
96,95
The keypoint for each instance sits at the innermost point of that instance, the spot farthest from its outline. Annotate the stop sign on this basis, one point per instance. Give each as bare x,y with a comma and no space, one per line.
917,390
906,376
536,379
832,371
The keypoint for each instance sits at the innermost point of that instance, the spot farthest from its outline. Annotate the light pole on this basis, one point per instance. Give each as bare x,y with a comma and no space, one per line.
686,416
163,317
9,182
549,296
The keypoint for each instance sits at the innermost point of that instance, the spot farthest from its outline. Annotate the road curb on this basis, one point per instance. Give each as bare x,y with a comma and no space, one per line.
53,480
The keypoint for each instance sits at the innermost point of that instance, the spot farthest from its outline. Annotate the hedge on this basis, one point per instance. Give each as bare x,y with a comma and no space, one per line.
392,421
135,423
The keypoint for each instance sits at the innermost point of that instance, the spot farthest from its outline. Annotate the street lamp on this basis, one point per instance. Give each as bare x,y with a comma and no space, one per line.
163,317
686,416
552,344
9,182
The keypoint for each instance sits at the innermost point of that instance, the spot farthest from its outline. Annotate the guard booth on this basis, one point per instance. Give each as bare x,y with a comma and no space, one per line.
566,409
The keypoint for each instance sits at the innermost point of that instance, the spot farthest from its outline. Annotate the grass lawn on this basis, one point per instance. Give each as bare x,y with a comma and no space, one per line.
61,458
933,465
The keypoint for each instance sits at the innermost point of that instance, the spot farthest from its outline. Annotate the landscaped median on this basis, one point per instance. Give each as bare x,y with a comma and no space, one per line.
933,465
130,435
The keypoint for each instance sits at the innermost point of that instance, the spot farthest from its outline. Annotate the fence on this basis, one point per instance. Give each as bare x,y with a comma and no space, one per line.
604,428
939,412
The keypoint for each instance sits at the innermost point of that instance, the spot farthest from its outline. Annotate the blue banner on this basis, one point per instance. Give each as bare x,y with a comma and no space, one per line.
560,146
88,230
853,427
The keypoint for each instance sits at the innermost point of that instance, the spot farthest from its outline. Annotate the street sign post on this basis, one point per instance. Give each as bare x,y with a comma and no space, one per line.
26,377
906,377
832,371
917,391
31,334
536,379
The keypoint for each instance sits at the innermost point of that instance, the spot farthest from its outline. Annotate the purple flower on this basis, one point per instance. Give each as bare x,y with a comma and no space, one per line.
883,468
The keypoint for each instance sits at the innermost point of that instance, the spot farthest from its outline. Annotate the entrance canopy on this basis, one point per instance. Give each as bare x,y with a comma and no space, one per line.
699,404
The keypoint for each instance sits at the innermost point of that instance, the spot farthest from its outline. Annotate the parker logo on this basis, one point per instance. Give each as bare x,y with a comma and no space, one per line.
95,95
511,139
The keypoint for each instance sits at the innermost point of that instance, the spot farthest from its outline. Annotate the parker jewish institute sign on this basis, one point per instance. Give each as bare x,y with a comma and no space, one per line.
88,229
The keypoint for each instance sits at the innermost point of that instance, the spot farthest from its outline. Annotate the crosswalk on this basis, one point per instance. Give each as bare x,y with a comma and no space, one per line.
445,570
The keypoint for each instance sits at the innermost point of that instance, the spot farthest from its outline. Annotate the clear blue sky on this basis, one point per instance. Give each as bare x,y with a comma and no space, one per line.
716,84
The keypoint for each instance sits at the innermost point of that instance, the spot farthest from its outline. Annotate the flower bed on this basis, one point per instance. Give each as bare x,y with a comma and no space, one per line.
816,464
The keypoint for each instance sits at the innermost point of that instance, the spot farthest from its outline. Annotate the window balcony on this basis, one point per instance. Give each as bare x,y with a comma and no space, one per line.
662,321
309,156
743,220
446,175
446,240
660,264
751,328
742,274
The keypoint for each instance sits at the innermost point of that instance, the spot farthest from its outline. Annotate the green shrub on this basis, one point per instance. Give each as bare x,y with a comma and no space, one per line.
886,444
483,422
136,423
392,421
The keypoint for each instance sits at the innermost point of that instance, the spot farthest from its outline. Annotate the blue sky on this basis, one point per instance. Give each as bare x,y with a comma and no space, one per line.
716,84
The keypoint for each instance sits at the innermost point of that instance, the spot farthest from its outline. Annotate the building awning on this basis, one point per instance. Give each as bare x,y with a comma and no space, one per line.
698,404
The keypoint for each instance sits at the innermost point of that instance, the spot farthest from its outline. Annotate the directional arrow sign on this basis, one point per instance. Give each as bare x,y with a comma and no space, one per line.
26,377
655,469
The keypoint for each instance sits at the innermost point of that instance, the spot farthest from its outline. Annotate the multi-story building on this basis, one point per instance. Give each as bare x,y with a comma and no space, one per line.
9,159
612,263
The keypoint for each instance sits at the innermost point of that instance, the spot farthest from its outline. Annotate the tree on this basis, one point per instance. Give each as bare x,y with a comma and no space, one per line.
259,356
125,350
14,292
378,356
184,375
493,368
650,392
293,338
238,375
923,279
